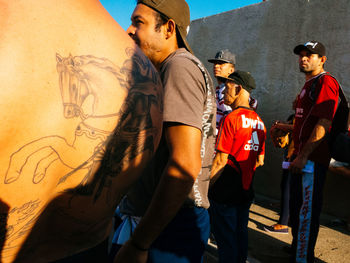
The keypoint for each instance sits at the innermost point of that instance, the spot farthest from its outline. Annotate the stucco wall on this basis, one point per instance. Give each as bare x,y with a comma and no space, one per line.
263,37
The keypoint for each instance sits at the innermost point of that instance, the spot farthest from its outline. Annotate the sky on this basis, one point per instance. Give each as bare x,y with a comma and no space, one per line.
121,10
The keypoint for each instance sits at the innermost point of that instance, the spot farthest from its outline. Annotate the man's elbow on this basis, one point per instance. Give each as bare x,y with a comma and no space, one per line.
222,162
186,170
325,123
194,169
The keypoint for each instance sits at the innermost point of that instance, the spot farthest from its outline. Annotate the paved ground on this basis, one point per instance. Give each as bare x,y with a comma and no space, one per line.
333,244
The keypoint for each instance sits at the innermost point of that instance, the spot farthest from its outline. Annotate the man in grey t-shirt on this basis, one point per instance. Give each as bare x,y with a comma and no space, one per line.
171,196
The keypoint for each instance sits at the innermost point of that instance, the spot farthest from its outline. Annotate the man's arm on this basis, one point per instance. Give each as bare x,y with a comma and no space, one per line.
260,160
283,126
219,163
261,154
317,135
182,169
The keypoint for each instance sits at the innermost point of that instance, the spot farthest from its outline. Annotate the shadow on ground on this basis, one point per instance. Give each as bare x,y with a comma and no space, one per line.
265,248
329,221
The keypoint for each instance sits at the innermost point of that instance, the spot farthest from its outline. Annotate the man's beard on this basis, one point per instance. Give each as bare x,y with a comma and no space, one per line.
136,40
303,70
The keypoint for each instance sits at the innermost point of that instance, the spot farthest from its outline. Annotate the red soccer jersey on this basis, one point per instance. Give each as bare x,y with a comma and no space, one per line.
242,134
307,113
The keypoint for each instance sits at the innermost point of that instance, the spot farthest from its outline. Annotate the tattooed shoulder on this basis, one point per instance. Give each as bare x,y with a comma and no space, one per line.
107,142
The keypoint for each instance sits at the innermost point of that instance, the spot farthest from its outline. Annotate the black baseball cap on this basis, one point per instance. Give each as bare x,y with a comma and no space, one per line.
241,78
313,47
177,10
224,56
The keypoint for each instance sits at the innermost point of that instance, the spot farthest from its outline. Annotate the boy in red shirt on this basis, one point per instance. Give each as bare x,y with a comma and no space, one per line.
240,149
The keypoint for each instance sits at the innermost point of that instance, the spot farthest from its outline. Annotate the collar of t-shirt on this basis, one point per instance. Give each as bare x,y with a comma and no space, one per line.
243,107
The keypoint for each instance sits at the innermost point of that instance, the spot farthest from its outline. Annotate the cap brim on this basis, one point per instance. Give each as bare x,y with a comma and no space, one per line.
215,60
224,79
182,33
299,48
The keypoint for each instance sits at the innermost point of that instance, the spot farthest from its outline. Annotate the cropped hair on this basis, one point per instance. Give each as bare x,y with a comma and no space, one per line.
161,20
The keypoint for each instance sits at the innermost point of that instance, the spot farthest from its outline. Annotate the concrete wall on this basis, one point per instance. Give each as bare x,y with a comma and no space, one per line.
263,37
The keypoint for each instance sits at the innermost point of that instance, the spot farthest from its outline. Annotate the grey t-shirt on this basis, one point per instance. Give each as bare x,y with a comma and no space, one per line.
189,100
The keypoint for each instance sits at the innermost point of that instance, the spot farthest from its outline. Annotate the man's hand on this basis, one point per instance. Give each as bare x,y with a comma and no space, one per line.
287,127
279,134
130,254
317,135
298,164
260,160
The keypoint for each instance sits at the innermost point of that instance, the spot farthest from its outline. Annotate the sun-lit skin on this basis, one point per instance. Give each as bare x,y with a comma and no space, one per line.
142,31
235,95
222,69
230,93
157,44
311,64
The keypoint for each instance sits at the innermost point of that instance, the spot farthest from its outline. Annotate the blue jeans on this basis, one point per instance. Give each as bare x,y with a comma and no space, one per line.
185,238
229,225
183,241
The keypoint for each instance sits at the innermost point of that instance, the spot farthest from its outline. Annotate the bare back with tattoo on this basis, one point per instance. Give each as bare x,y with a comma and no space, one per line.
81,112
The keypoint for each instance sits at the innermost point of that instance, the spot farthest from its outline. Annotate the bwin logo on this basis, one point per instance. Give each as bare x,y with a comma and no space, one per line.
253,123
253,143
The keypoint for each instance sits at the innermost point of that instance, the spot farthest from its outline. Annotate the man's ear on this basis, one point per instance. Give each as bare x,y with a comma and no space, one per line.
232,69
323,59
170,27
238,89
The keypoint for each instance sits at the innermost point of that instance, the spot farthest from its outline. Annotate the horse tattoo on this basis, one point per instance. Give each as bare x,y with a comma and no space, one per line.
85,94
113,113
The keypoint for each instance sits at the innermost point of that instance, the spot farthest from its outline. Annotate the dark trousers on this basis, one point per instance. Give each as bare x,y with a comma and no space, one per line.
229,225
285,190
92,255
185,238
305,209
183,241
